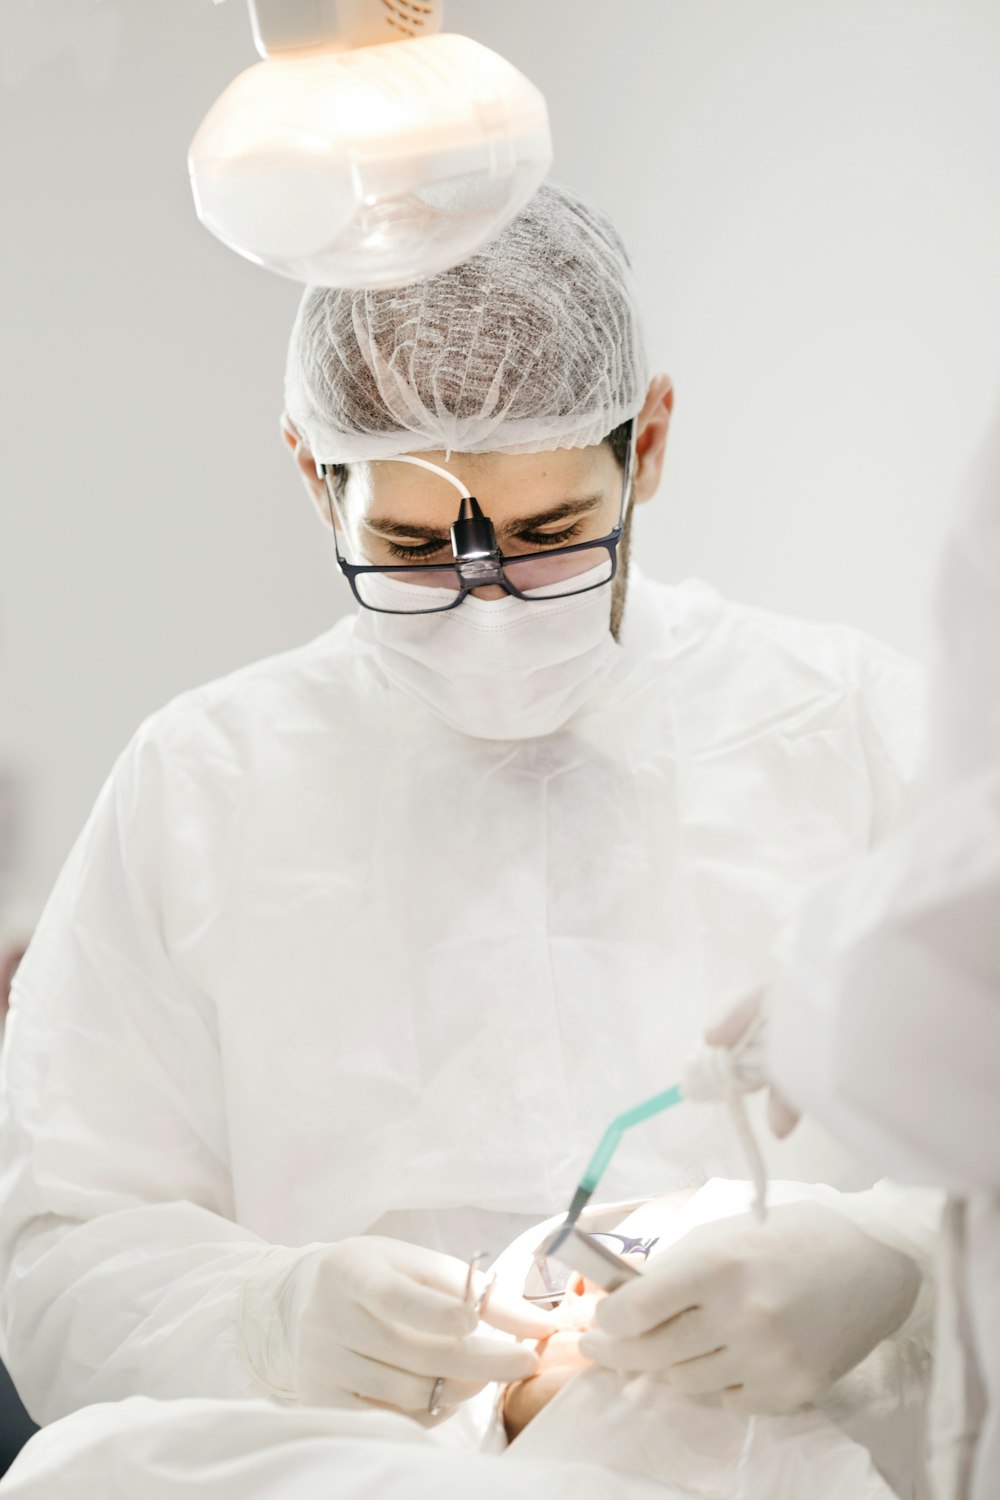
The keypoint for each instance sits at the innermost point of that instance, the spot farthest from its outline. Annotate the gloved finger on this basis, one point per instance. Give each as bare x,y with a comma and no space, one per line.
706,1376
434,1271
483,1358
614,1354
510,1313
474,1358
781,1116
675,1283
385,1385
631,1356
452,1394
503,1309
689,1336
395,1296
370,1379
728,1031
754,1400
447,1398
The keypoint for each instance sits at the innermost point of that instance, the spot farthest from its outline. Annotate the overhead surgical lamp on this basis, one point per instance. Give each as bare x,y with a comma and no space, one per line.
369,149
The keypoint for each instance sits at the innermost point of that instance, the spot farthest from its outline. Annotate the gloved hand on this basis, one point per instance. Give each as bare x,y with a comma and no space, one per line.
384,1320
743,1034
769,1315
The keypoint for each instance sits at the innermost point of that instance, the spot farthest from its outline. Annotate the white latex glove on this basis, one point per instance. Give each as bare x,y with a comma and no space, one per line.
769,1315
742,1035
382,1319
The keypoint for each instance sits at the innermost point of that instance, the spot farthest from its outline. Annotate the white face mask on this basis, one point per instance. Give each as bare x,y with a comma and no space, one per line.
498,669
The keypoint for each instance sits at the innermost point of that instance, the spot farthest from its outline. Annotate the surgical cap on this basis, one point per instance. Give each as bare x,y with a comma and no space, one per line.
530,345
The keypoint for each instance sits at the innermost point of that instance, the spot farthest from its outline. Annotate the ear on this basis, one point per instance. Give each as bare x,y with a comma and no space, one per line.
652,428
306,465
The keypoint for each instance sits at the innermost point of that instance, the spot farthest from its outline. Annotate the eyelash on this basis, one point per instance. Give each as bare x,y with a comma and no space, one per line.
533,539
552,537
413,553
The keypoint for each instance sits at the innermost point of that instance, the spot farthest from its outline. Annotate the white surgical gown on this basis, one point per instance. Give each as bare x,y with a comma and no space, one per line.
600,1437
318,962
886,1019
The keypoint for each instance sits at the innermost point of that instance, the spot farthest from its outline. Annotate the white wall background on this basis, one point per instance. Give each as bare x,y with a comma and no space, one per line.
811,191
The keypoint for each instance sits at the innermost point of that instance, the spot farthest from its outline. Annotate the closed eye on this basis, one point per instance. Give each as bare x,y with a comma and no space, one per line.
414,554
549,538
525,538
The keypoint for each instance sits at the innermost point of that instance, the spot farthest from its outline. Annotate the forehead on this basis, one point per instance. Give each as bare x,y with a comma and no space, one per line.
507,485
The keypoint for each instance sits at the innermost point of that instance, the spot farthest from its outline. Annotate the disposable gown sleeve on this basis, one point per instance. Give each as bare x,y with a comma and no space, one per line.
885,1021
885,1016
121,1263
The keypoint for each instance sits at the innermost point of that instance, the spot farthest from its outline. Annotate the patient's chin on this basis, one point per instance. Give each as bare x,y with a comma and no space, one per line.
562,1351
559,1357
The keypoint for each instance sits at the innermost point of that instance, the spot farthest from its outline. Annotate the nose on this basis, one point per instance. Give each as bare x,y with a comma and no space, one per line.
490,591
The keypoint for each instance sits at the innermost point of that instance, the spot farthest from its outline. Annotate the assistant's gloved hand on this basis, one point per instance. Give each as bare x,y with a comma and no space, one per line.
742,1037
769,1315
383,1319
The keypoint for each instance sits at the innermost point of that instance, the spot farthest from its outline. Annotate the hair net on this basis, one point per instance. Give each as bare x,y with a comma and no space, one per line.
532,344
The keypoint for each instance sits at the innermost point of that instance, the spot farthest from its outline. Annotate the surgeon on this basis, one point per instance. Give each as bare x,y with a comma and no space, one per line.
363,945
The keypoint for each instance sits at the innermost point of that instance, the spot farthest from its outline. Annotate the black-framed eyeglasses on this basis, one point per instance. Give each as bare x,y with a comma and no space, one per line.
549,1280
478,563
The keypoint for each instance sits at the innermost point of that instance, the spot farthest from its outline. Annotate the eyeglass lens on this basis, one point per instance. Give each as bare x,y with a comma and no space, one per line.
542,576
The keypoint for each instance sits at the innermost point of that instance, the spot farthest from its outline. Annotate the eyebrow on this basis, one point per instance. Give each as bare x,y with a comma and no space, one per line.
567,510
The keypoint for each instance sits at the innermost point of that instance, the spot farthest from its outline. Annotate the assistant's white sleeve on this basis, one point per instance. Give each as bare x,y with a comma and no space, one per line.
121,1265
885,1015
885,1018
